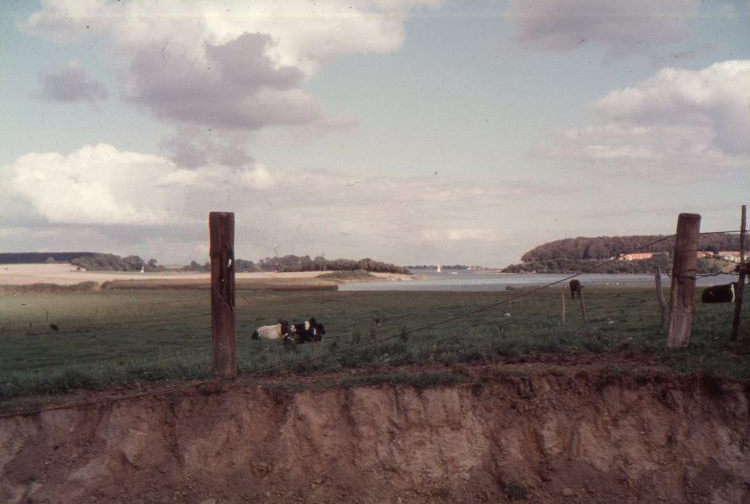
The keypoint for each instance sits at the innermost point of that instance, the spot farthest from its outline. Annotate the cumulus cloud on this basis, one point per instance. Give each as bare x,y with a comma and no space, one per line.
715,97
236,87
99,184
688,122
191,147
226,64
71,84
146,197
621,28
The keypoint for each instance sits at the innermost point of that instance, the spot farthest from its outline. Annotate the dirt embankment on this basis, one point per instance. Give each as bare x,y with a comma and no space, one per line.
521,433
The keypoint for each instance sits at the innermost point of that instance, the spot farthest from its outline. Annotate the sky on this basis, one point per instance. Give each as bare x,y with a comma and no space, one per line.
407,131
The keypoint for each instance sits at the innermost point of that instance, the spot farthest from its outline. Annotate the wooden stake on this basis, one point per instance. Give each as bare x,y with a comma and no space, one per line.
583,303
684,267
223,338
564,309
741,284
661,300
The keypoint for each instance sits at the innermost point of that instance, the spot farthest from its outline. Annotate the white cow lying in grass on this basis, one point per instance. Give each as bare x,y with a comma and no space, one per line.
309,331
272,332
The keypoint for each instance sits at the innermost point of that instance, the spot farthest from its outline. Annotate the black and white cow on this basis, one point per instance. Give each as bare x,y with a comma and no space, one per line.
273,332
719,293
309,331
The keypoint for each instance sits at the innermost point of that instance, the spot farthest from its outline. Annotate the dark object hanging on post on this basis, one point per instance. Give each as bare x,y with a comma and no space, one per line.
719,293
575,288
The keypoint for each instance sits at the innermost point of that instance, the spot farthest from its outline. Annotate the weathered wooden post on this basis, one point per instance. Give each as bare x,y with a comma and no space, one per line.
741,284
564,308
684,267
221,227
661,300
583,303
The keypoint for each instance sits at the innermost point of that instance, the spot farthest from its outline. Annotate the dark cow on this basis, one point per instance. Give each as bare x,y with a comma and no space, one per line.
719,293
309,331
575,288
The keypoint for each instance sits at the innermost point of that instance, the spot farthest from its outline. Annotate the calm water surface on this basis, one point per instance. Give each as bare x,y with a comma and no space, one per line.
481,281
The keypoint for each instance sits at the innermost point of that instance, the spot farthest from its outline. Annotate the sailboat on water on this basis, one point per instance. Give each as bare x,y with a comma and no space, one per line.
439,269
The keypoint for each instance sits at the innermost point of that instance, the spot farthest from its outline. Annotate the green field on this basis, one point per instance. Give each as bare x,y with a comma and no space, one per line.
117,337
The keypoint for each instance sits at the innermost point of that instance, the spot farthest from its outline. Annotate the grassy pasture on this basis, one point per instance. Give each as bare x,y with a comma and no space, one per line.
117,337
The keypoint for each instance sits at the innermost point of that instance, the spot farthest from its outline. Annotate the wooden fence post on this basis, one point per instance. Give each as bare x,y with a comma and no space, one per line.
223,339
741,284
684,267
661,300
564,308
583,303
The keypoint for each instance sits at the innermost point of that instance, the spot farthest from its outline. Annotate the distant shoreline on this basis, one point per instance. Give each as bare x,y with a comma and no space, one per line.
67,274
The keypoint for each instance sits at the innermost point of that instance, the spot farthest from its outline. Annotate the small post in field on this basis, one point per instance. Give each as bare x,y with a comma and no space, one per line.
684,267
741,284
661,300
564,308
583,303
223,338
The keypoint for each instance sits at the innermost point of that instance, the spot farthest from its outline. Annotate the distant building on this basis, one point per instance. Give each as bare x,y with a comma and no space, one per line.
636,256
705,253
729,255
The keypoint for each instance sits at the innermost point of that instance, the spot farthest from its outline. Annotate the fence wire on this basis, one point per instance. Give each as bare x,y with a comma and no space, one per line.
112,329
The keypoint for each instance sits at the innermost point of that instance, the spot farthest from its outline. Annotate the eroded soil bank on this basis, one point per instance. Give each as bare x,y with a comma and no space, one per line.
518,432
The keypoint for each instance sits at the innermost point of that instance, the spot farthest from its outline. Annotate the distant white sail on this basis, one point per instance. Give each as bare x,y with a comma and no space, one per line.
439,269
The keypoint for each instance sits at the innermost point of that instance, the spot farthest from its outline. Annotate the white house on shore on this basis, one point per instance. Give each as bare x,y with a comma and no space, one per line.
729,255
636,256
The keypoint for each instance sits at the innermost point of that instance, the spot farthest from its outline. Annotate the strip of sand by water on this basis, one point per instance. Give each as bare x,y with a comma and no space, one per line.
67,274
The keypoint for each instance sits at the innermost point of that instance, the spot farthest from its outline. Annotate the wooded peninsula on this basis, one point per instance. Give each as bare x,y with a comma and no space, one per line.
615,254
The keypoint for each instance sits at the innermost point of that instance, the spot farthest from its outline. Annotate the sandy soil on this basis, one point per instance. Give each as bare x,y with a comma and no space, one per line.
66,274
527,431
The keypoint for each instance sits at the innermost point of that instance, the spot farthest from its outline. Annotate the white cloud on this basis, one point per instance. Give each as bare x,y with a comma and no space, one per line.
96,184
71,84
304,33
226,64
99,184
715,97
460,234
691,123
141,198
620,27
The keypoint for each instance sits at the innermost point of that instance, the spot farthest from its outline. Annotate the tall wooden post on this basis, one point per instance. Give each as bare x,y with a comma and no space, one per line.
221,227
564,313
583,303
661,300
741,284
684,267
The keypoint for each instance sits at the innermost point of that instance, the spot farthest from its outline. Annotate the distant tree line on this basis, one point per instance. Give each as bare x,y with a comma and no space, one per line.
606,247
112,262
609,266
289,263
41,257
591,266
599,254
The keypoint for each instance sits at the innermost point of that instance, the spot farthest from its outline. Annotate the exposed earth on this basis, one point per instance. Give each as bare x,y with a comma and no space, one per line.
582,428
